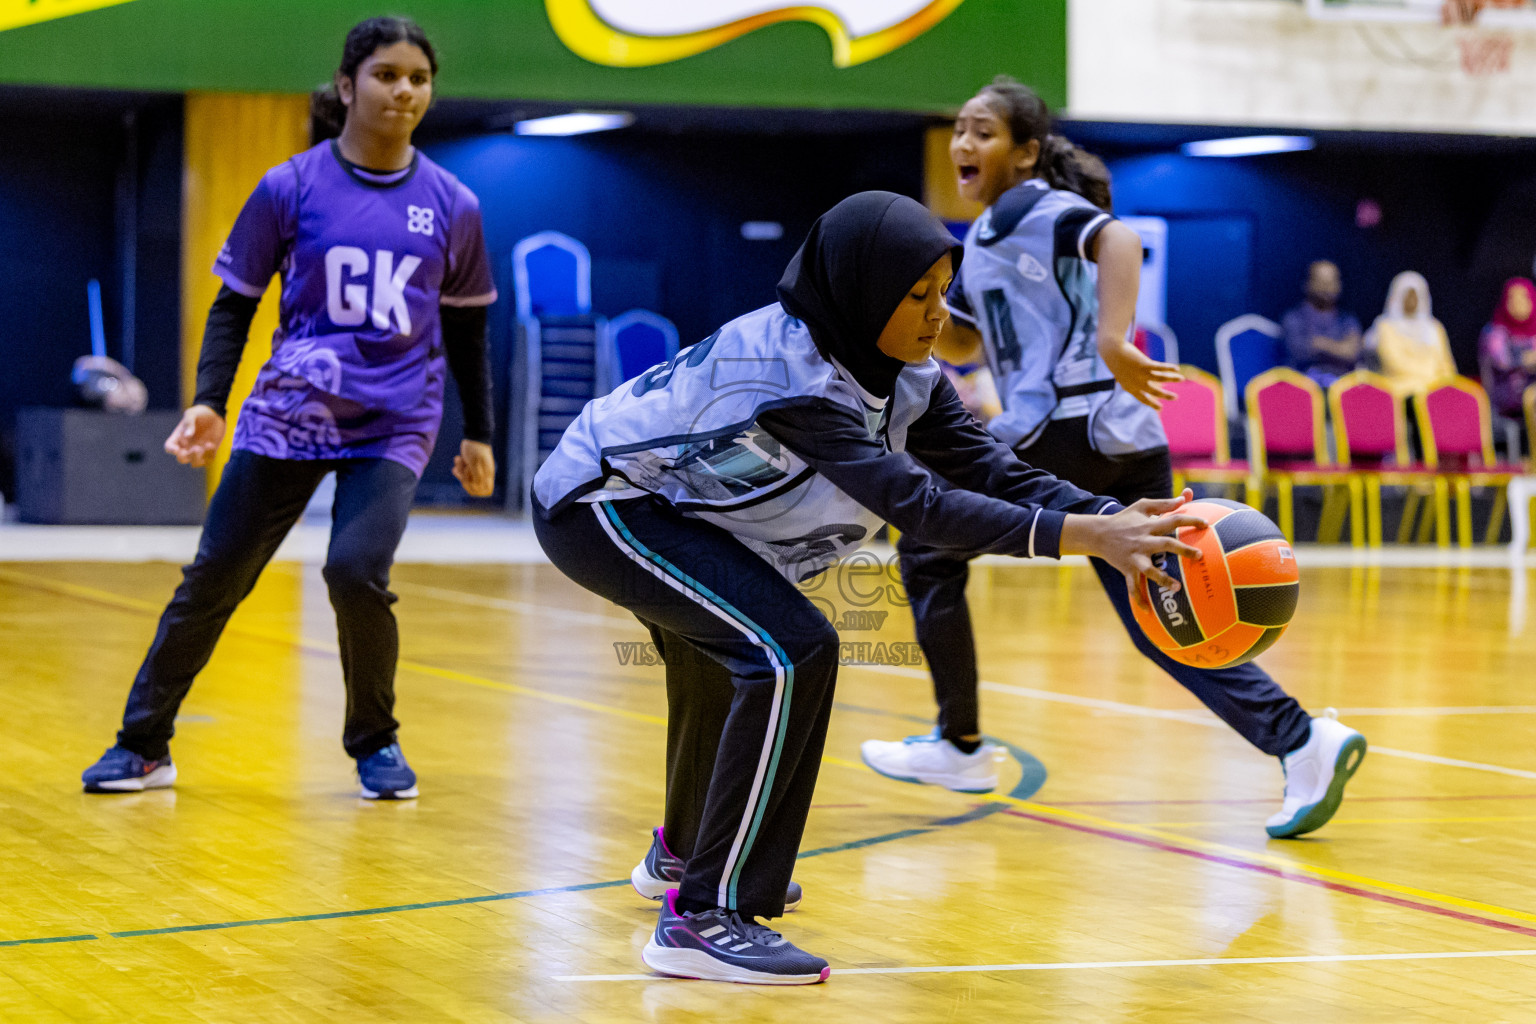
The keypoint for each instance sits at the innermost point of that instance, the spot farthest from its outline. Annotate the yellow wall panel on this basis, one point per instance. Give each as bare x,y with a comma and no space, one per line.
940,191
231,140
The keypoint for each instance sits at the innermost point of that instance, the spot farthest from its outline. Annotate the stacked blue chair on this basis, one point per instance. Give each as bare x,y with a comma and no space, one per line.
639,340
1245,348
566,359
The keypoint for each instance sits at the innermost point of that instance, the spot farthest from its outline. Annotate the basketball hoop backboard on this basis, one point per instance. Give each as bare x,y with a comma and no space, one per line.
1490,14
1480,41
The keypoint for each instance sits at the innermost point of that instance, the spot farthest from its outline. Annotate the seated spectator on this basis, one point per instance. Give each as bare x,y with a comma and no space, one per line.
1410,343
1507,349
1320,340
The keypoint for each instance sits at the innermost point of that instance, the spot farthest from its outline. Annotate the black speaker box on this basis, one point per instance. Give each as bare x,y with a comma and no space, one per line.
86,466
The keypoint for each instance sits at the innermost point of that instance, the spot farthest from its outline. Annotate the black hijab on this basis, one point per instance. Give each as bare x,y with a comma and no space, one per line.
852,271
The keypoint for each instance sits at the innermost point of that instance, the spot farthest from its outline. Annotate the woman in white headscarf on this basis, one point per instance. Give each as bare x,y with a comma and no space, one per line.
1410,343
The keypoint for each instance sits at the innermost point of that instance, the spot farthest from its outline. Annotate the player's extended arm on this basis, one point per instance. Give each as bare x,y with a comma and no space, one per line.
835,442
201,428
1117,250
468,359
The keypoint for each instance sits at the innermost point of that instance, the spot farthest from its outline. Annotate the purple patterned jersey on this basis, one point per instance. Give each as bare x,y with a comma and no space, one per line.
357,367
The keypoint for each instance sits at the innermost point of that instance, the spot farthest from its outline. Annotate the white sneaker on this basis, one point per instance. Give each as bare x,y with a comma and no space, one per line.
932,759
1315,775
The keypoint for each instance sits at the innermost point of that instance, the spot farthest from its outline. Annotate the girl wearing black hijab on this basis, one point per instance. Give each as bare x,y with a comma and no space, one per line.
698,494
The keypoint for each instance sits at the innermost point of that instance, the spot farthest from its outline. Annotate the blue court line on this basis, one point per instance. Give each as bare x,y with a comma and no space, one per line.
369,911
856,844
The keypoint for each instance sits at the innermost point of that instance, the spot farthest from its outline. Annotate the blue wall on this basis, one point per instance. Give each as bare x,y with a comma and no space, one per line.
1242,231
59,227
662,217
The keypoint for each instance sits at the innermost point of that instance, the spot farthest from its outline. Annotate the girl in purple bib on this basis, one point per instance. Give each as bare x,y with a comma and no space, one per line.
385,282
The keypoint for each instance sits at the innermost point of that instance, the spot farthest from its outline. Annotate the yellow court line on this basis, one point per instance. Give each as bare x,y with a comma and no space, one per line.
1282,864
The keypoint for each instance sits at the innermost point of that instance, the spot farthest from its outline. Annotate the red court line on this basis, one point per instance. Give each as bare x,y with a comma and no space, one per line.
1262,869
1266,800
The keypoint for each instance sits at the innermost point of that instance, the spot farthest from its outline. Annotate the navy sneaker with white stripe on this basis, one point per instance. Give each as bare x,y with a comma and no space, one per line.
385,775
718,945
123,771
660,871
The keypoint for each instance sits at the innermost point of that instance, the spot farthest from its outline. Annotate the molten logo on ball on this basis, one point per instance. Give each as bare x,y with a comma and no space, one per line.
1236,601
1170,607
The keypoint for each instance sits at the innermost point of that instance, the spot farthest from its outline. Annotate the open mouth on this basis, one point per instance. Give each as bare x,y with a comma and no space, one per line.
967,173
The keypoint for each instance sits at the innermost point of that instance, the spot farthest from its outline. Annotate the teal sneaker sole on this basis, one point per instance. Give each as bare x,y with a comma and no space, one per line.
1315,816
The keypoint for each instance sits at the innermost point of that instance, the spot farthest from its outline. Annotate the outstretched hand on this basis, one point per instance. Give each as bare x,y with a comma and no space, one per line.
196,436
475,468
1131,539
1141,376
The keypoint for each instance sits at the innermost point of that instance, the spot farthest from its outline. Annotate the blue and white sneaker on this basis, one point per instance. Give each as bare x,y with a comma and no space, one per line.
932,759
1315,774
123,771
717,945
660,871
385,775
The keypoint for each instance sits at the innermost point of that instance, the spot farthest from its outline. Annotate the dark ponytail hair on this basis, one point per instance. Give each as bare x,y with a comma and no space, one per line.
1060,163
1094,178
327,113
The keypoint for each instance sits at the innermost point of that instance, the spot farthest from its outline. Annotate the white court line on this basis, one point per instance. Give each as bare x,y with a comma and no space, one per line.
1098,704
1340,958
1200,718
1452,762
1191,718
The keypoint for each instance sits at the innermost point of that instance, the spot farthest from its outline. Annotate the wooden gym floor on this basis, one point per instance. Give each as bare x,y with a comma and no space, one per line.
1136,885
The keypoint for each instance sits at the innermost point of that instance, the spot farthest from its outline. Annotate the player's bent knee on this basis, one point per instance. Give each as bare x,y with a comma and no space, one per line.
348,575
813,649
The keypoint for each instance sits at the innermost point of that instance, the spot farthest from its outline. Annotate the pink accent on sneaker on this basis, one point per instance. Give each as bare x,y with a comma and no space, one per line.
672,901
661,834
825,973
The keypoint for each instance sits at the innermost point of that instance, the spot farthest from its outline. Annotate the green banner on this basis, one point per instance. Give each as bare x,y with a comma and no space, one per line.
921,55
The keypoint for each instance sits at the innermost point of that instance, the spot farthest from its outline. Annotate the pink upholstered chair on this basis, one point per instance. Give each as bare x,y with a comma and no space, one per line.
1456,426
1196,425
1288,445
1370,432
